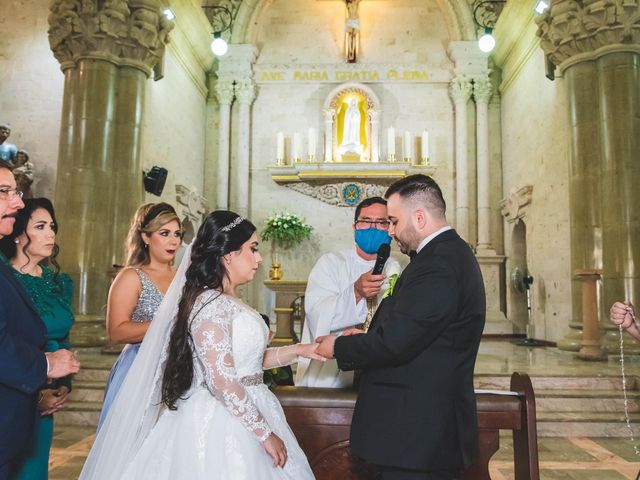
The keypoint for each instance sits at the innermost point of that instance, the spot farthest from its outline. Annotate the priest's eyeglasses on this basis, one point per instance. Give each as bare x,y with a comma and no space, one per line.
10,193
368,223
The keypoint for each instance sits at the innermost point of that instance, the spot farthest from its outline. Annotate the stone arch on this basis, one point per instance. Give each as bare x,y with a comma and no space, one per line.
373,102
458,15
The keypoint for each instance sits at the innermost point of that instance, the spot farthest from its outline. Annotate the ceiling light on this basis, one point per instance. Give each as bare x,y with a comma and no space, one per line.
486,43
219,46
220,19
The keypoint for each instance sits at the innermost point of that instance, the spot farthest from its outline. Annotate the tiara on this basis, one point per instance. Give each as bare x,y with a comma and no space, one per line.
235,223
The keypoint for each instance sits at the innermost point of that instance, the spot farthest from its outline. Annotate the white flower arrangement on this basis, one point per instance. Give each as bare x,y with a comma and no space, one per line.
285,229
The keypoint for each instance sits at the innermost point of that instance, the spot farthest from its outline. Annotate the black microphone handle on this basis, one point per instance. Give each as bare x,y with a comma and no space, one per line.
379,265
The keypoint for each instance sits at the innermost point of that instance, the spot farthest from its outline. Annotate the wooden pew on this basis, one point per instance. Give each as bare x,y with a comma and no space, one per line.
321,419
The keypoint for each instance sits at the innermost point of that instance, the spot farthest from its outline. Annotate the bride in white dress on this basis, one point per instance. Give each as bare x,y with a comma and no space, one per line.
193,405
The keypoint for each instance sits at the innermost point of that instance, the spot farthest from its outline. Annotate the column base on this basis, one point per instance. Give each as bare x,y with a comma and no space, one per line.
591,350
610,341
491,266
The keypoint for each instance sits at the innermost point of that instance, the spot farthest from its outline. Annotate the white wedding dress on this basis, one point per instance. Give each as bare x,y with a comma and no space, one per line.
217,429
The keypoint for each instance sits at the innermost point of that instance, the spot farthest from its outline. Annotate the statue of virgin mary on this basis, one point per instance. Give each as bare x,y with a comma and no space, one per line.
351,130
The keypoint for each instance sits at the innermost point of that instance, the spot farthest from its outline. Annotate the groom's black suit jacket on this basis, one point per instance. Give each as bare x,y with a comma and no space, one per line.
416,404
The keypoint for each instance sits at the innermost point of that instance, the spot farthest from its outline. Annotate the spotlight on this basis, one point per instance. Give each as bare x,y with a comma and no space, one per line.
486,43
169,14
541,6
219,46
154,180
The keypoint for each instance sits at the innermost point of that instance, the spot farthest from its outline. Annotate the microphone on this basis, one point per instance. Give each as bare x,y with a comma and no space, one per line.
383,255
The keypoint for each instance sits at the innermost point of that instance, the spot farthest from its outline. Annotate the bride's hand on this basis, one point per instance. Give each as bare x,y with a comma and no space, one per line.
276,450
308,350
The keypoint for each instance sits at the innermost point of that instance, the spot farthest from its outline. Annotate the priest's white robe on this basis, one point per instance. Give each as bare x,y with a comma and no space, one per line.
330,307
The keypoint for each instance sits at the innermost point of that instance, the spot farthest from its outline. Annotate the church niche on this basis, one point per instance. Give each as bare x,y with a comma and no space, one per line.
352,113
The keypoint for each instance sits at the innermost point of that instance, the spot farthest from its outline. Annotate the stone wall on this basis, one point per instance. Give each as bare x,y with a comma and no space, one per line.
31,89
309,34
173,134
535,151
31,86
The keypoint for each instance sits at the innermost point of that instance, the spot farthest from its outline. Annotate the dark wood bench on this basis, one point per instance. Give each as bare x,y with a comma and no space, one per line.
321,419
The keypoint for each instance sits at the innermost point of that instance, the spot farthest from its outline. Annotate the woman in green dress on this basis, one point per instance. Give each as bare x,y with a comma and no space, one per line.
31,249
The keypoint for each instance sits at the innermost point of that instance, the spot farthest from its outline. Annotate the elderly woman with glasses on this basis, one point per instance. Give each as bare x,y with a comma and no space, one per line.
343,292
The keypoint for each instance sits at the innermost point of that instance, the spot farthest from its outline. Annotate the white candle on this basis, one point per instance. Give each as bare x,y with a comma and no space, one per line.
407,145
391,142
296,146
280,147
424,148
312,144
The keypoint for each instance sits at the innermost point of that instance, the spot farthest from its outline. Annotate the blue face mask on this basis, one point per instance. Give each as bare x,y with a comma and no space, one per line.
370,239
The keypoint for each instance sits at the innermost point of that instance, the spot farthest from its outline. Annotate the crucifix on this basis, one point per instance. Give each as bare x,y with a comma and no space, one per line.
352,31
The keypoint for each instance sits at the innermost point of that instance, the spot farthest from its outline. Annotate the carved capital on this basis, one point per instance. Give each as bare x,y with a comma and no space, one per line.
328,114
482,89
124,32
460,89
245,91
224,91
573,31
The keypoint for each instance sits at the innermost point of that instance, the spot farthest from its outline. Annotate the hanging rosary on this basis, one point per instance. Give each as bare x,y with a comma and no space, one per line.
624,390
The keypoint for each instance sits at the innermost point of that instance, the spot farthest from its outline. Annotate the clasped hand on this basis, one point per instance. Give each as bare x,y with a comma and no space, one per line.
622,314
327,342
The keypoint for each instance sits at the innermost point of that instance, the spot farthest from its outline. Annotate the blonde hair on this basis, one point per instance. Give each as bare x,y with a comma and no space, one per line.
147,219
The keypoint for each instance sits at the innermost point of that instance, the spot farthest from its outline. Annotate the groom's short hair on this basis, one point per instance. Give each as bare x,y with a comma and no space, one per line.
421,189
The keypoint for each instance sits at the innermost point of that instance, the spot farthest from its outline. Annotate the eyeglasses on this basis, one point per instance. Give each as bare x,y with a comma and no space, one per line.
379,224
10,193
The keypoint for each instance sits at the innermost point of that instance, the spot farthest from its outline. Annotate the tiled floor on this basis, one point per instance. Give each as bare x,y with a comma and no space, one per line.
560,458
576,458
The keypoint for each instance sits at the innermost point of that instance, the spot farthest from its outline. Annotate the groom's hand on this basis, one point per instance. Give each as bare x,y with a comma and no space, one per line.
326,345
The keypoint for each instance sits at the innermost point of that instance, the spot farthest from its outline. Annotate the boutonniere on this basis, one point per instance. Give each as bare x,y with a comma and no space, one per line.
392,283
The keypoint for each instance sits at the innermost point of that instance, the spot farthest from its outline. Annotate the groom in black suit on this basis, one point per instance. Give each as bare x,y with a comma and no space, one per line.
24,366
415,417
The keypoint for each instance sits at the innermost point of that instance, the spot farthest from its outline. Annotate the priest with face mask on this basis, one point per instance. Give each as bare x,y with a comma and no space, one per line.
342,291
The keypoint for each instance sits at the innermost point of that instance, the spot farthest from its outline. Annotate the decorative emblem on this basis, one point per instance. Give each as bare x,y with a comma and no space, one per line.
351,194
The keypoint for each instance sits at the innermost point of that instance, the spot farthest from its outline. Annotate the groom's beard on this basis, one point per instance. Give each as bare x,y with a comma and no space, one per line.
408,240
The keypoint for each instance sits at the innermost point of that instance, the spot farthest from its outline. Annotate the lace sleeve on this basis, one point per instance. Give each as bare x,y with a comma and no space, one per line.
212,332
280,356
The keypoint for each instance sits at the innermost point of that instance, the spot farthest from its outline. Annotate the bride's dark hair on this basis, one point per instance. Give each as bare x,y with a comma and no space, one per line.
221,232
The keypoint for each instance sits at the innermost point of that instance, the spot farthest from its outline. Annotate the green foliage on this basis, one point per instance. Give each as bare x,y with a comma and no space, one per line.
275,376
285,230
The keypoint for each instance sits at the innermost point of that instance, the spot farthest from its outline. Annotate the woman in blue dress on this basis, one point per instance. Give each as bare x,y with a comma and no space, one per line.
32,250
152,243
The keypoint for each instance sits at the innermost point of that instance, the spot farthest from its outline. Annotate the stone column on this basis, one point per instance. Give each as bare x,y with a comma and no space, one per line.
224,94
375,135
460,89
245,93
106,51
482,91
328,135
597,49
